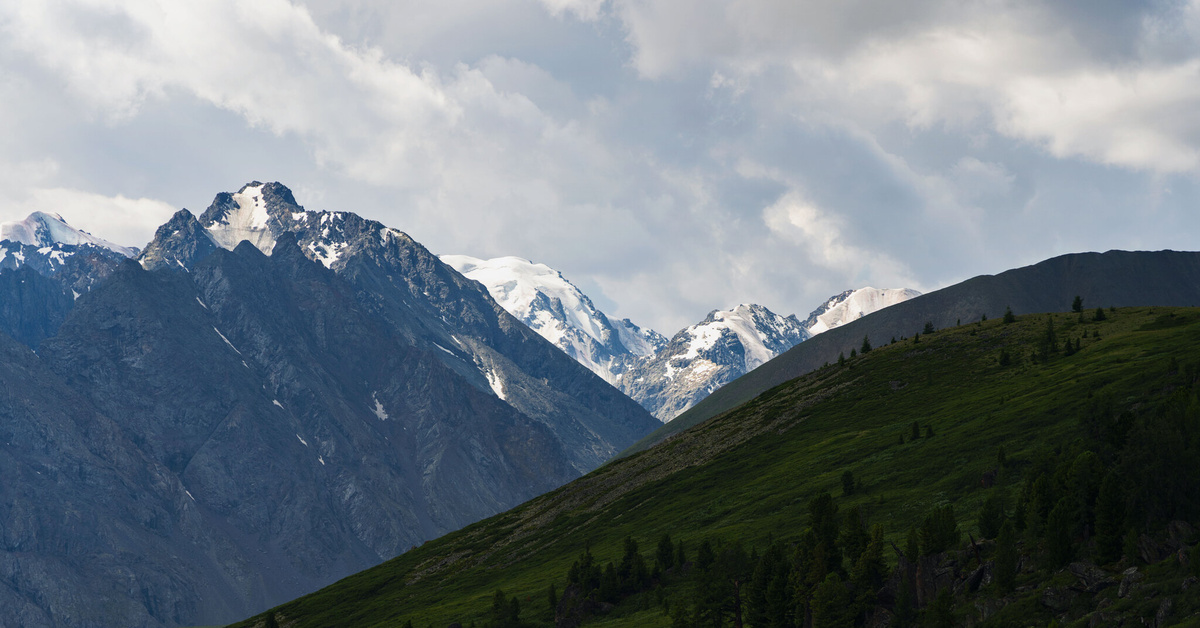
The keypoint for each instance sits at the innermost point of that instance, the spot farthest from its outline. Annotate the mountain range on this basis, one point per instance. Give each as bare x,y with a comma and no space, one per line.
1114,278
665,376
985,476
265,400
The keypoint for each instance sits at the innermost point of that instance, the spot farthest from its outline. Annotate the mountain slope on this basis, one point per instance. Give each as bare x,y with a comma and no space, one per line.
359,446
852,305
543,299
277,421
46,230
77,260
708,355
746,476
44,265
665,377
1115,278
426,302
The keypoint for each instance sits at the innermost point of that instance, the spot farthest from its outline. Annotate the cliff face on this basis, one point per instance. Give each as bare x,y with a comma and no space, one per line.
211,432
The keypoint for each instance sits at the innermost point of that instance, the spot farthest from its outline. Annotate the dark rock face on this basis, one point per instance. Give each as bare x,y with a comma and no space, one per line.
314,442
32,306
198,442
179,243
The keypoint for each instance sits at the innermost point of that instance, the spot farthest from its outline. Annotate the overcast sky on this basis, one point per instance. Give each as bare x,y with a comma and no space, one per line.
669,156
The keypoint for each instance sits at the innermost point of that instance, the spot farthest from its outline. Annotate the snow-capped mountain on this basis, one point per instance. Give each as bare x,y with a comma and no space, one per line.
47,230
75,259
665,377
705,356
852,305
268,399
556,309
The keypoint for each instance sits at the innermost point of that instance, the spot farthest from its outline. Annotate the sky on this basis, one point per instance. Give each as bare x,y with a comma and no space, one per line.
670,157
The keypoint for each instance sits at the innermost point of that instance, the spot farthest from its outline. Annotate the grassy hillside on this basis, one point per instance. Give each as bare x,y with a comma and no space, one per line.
748,475
1115,278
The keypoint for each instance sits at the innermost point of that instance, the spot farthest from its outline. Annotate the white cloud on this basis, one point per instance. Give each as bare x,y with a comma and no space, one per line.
820,235
1025,70
679,155
583,9
27,188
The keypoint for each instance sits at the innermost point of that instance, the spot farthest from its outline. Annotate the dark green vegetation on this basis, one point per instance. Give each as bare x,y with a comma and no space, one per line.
1115,278
1078,464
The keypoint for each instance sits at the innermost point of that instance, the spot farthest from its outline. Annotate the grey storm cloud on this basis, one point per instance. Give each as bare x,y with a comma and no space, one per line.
670,156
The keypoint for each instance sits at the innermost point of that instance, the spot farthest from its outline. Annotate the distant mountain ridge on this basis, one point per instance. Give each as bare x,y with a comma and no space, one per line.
1114,278
556,309
54,264
253,426
665,376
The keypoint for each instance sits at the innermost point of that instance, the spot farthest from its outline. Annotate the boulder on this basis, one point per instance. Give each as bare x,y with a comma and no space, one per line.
1058,599
1130,581
1091,578
1164,612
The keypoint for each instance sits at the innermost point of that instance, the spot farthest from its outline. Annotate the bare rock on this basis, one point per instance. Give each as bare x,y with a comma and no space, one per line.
1180,533
1057,599
1164,612
1130,581
1091,578
1150,551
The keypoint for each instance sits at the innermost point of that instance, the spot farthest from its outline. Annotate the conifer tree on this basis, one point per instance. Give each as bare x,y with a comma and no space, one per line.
992,516
704,556
552,599
1077,304
1005,565
916,431
665,557
1110,520
866,345
940,614
1058,535
869,571
823,511
940,531
848,485
912,547
929,329
1049,339
1099,315
272,622
831,605
854,536
1009,317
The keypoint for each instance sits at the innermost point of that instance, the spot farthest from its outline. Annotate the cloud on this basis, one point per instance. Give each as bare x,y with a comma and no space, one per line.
674,156
1111,84
583,9
126,221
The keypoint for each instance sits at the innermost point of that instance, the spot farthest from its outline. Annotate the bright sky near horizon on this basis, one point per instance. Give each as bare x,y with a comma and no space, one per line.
668,156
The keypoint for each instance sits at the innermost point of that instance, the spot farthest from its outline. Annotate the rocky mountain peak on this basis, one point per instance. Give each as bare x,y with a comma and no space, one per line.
852,305
179,243
42,229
